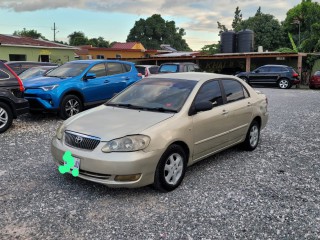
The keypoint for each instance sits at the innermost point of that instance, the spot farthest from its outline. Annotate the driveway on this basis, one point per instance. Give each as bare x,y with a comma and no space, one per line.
272,192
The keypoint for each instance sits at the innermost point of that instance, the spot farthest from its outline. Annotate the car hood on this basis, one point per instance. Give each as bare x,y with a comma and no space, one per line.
41,81
109,123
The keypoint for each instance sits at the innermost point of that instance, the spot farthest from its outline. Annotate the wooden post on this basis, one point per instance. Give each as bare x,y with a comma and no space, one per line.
248,64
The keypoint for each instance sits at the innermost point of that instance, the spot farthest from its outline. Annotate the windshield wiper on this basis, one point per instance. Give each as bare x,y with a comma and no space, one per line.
125,105
161,109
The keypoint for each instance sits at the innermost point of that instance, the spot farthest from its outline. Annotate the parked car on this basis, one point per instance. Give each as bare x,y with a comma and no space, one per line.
277,75
76,85
35,72
314,81
147,70
153,130
20,66
12,103
178,67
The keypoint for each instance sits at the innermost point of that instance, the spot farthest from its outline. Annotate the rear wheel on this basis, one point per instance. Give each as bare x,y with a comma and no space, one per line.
70,105
284,83
171,169
253,136
6,117
311,87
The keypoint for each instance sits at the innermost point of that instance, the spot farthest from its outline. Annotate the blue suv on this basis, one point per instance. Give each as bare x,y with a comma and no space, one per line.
80,84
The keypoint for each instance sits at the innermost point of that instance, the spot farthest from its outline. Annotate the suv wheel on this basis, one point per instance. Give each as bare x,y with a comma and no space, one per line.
284,83
70,106
6,117
171,169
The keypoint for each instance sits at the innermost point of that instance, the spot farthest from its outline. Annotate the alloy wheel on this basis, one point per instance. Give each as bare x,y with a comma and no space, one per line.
3,117
72,107
283,84
254,135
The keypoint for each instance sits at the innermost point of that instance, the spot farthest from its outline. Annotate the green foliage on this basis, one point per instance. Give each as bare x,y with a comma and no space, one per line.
79,38
211,49
294,47
154,31
222,28
285,50
29,33
268,31
305,15
237,18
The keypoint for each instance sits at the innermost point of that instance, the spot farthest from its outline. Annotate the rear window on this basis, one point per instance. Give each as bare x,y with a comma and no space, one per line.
5,73
141,69
168,68
317,73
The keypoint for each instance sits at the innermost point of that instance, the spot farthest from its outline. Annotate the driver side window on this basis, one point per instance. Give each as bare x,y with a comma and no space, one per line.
99,70
210,91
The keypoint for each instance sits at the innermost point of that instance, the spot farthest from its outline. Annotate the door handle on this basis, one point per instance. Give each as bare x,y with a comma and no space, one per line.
224,112
249,104
106,81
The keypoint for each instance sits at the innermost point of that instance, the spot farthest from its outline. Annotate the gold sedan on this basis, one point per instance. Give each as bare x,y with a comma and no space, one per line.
154,129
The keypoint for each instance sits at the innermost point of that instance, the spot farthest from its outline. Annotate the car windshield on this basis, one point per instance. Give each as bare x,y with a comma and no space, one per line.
163,95
168,68
31,73
70,69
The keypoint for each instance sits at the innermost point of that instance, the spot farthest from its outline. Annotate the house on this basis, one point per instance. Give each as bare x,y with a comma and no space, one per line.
118,50
17,48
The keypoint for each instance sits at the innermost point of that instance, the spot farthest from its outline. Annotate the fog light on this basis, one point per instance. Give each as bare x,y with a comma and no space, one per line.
127,178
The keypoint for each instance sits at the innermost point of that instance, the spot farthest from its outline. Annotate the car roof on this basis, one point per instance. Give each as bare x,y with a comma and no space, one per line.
90,61
178,63
140,65
195,76
274,65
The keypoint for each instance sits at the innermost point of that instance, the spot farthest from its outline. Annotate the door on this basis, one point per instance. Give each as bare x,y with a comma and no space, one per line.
239,110
260,76
210,131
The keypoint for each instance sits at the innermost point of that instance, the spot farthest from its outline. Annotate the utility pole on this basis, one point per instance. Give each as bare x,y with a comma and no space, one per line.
54,31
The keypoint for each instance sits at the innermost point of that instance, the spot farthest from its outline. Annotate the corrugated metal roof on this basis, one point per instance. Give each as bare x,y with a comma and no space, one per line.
27,41
128,45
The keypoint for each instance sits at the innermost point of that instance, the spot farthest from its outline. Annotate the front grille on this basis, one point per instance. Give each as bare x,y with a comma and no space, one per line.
81,141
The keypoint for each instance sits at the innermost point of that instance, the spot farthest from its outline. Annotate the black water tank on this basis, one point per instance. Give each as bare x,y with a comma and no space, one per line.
245,41
228,42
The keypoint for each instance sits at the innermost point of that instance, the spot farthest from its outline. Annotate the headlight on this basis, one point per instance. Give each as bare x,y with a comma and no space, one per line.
49,88
127,144
60,131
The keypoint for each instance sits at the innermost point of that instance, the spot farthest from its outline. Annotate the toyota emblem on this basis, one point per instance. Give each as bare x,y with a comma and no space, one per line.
78,139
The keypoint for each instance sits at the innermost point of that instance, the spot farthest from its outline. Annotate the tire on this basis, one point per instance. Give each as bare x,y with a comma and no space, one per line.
284,83
252,137
70,105
6,117
172,162
311,87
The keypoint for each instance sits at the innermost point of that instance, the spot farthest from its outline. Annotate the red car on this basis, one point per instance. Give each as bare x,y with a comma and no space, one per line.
315,80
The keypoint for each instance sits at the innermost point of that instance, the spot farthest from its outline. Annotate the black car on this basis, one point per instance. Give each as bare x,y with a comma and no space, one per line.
178,67
278,75
12,102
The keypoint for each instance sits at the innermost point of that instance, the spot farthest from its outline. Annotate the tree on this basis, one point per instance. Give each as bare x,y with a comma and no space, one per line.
222,28
154,31
268,31
237,19
302,22
29,33
211,49
77,39
99,42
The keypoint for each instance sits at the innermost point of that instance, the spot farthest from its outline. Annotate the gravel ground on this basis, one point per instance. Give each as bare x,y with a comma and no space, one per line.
270,193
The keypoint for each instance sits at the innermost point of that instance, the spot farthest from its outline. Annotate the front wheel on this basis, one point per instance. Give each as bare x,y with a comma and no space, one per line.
6,117
284,83
171,169
70,105
252,137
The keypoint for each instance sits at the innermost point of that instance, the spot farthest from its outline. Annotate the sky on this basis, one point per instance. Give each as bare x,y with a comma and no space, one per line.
113,19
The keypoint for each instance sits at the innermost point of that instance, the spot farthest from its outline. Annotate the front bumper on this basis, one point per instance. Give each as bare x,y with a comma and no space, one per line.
100,167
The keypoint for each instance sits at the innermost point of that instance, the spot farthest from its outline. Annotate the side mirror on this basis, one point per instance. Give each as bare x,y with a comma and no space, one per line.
90,76
200,107
256,71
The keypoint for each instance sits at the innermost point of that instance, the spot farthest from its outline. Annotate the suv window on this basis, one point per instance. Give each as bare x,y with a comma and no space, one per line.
169,68
278,69
4,75
210,91
114,68
99,70
263,69
234,90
